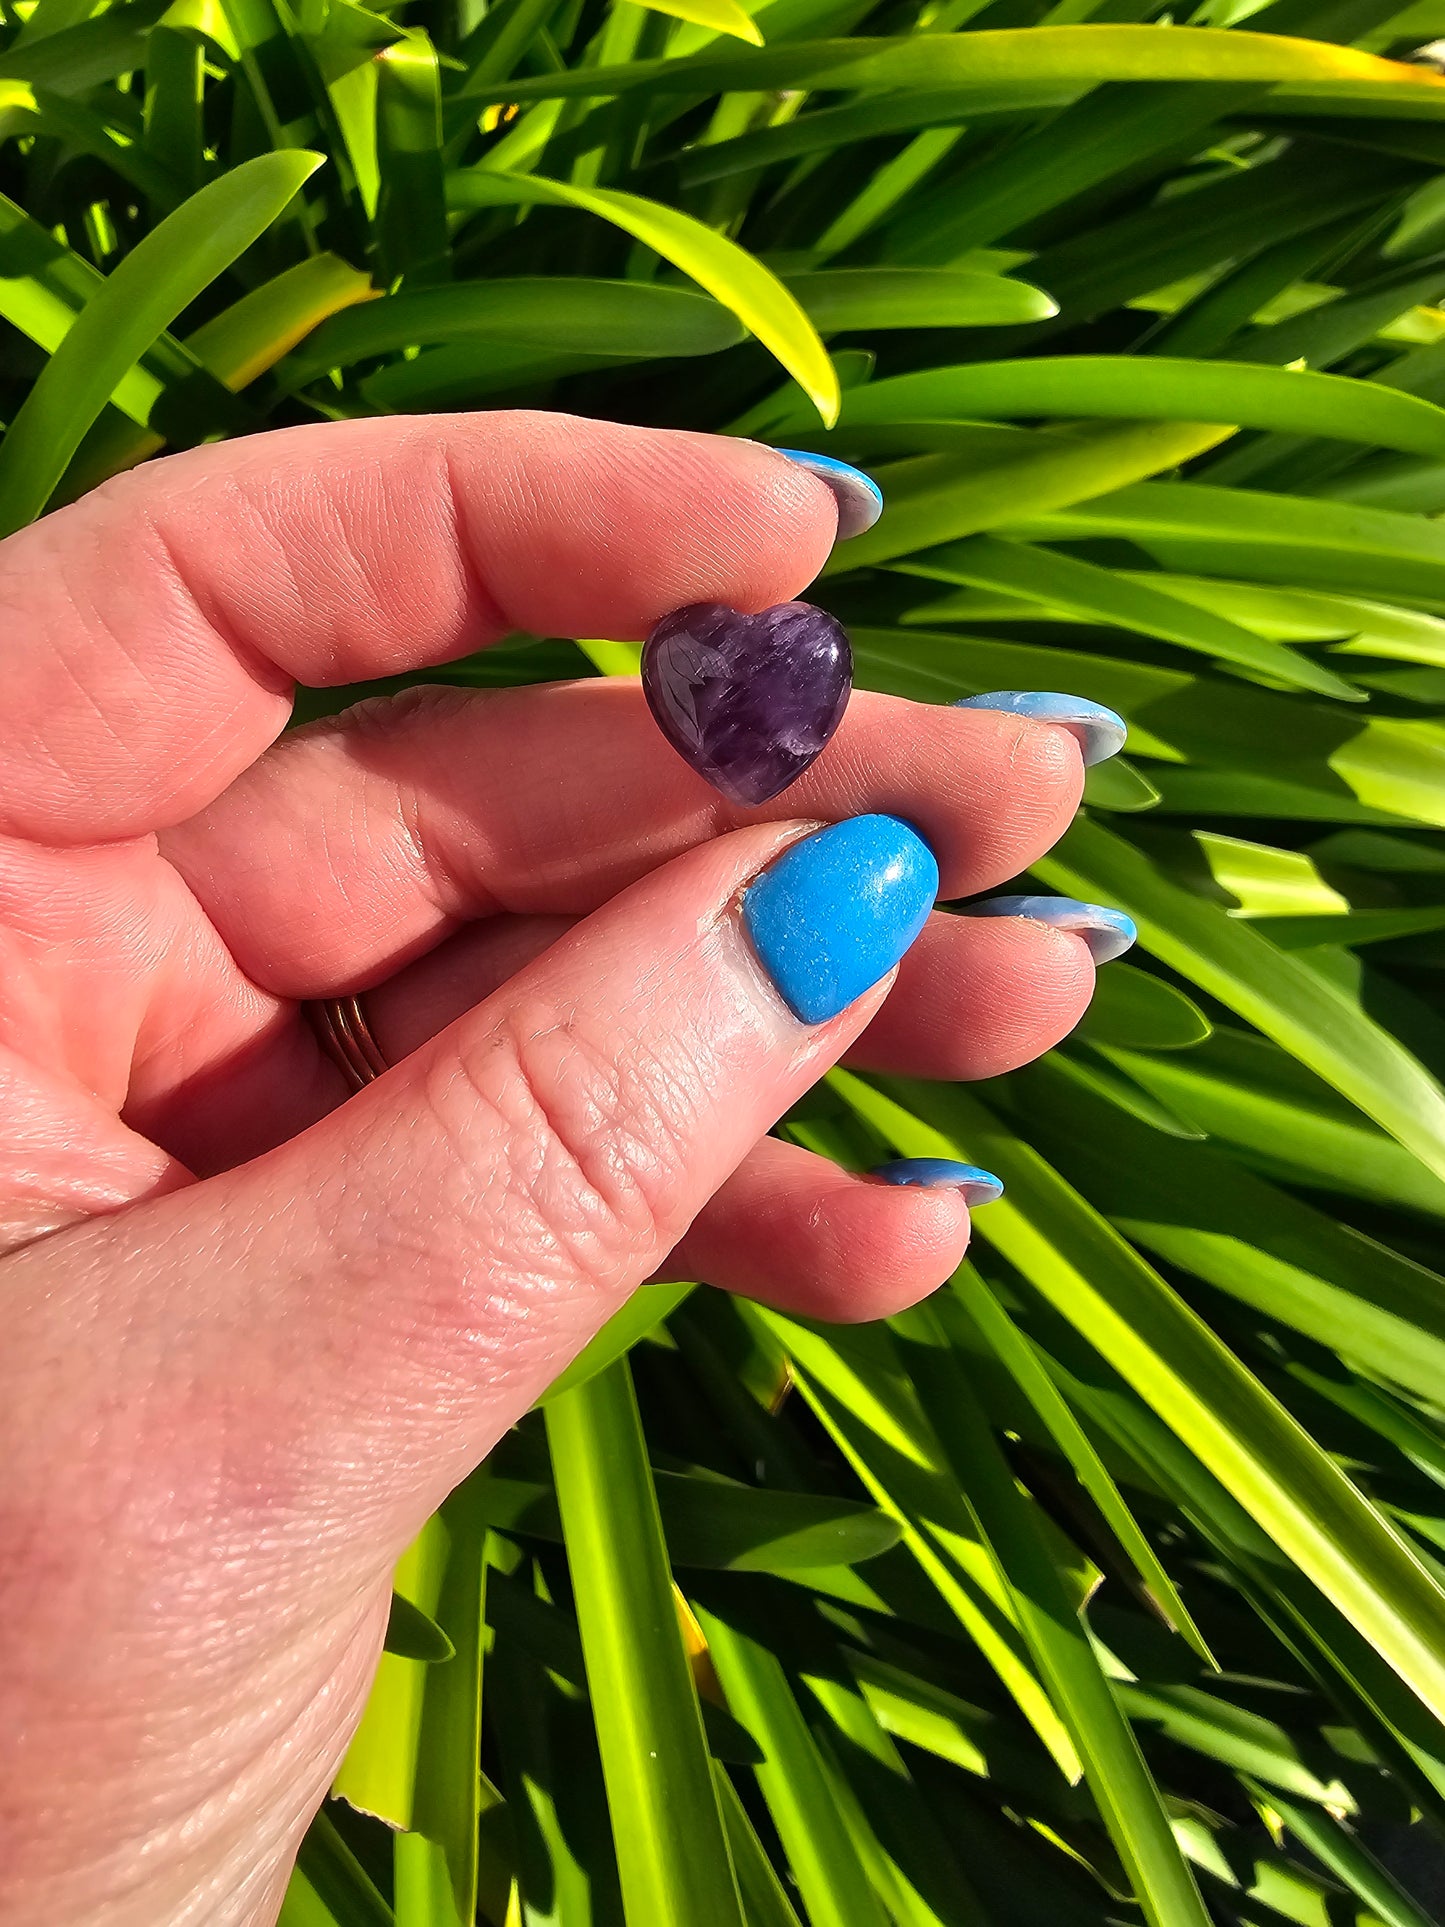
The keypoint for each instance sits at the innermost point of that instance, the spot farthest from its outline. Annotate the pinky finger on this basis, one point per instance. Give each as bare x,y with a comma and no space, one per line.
796,1231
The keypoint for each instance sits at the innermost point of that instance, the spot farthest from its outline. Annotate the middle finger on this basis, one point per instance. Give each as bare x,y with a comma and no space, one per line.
358,844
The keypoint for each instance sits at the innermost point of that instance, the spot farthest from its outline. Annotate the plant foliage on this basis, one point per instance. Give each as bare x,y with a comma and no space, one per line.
1106,1587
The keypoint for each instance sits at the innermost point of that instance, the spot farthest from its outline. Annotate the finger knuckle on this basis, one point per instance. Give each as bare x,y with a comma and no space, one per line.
593,1130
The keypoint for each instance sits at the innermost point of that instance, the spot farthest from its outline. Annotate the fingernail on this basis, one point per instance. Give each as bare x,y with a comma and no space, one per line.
859,498
1099,732
1108,933
977,1185
835,912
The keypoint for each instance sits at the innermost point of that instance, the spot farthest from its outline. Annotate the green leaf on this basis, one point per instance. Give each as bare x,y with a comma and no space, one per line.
467,374
937,498
1201,1391
27,110
1083,55
839,298
645,1310
78,58
1107,1072
1023,1363
1148,248
378,1774
792,1780
49,16
909,1860
1199,1209
1292,401
1244,1092
175,109
243,341
1256,879
1268,538
151,286
566,316
723,16
832,128
1349,1860
43,288
1119,785
1308,1014
436,1860
672,1852
330,1887
854,1385
413,1634
1065,582
411,216
1350,929
237,346
714,1523
1235,1737
924,1714
1139,1011
765,1900
728,272
554,1789
710,1523
1117,1775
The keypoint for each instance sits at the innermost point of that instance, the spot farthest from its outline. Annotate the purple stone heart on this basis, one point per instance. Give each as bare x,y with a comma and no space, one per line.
748,701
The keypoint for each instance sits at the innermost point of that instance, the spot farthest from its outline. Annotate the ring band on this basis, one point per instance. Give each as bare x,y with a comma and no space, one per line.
344,1034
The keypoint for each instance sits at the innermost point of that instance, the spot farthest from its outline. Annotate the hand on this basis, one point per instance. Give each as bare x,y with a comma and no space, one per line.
255,1330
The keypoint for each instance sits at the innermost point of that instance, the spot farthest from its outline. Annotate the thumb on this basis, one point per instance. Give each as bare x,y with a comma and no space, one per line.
229,1408
353,1319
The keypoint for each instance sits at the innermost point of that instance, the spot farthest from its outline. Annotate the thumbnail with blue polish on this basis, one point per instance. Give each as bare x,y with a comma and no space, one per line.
859,498
1108,933
836,911
1100,732
977,1185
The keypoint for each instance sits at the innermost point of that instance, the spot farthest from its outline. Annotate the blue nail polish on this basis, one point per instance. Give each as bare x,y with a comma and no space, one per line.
859,498
1108,933
837,911
977,1185
1099,732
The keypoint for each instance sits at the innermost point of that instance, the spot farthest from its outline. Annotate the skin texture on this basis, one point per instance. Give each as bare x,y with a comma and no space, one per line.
254,1332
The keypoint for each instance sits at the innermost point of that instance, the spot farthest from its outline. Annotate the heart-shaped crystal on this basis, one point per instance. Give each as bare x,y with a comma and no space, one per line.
748,701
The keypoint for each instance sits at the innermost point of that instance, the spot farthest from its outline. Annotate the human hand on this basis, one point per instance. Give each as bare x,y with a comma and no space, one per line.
255,1329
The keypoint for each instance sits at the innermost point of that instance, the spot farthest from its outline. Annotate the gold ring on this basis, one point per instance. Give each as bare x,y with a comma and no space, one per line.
344,1034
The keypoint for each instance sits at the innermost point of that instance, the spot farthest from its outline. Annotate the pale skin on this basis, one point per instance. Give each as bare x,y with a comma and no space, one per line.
254,1330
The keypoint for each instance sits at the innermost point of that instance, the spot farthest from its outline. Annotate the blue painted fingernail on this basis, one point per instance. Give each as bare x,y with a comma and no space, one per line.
837,911
859,498
1108,933
1099,732
977,1185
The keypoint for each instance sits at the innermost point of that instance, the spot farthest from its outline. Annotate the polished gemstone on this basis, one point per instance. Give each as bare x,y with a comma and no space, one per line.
748,701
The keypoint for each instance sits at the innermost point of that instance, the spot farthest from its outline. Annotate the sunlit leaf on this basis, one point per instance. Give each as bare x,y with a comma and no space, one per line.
1287,399
1085,54
672,1852
144,295
723,16
1201,1390
755,295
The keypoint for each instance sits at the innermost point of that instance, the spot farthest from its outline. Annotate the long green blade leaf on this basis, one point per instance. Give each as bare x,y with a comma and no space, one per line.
728,272
1081,1267
159,278
672,1852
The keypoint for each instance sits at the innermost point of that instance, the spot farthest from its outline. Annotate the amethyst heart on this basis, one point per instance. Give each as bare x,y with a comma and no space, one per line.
748,701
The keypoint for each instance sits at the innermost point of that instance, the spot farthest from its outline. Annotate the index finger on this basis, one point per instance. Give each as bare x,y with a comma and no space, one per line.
152,631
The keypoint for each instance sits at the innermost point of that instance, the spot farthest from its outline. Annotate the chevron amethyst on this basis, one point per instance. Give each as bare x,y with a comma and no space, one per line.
748,701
